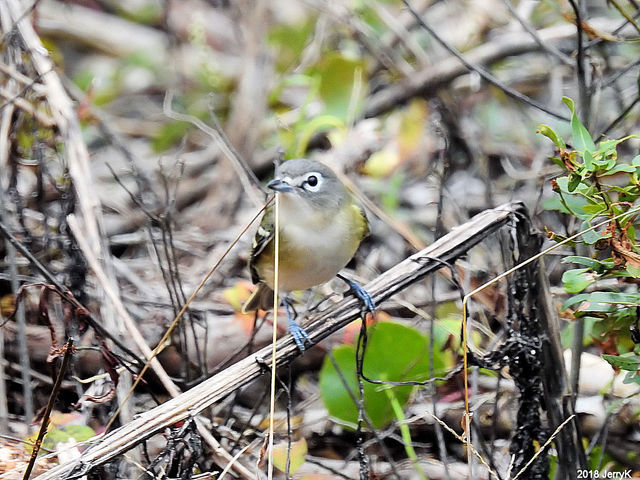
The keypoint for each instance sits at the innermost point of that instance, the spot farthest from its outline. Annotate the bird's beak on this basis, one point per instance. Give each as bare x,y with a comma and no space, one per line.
279,185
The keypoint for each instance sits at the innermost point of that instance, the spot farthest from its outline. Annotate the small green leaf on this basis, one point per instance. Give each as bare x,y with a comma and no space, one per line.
574,181
338,84
592,236
548,132
628,362
594,209
633,270
581,137
588,160
576,280
620,167
603,301
593,264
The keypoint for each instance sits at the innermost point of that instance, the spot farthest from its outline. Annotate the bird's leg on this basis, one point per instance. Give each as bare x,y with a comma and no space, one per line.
298,333
359,291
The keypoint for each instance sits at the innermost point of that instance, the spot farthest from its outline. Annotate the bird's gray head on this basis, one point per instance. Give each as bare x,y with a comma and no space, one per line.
309,180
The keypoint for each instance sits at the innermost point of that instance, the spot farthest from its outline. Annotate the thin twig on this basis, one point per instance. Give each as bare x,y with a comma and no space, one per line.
619,118
248,179
488,77
23,104
585,97
111,294
23,351
68,350
64,292
464,440
543,447
161,344
564,58
623,12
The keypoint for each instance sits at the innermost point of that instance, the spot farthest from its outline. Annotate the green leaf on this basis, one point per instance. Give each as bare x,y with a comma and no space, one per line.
620,167
548,132
611,297
581,137
595,208
338,84
595,265
588,160
568,202
592,236
632,377
394,353
574,181
633,270
578,279
170,134
602,302
313,126
629,362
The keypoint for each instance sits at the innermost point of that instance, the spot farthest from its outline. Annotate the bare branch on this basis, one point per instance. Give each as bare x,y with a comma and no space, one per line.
445,71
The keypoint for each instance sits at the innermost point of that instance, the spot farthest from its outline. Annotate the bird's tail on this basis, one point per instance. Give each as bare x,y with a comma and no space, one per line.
261,298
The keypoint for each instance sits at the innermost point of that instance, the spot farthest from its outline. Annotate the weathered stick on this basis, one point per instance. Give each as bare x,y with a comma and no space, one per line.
320,325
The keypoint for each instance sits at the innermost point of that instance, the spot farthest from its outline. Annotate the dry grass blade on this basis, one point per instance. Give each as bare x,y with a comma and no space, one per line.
543,447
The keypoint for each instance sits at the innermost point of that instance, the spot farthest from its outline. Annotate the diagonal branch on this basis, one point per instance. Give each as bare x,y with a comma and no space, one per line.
321,325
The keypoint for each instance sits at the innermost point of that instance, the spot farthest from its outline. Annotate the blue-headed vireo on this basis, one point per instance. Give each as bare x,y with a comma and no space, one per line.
321,227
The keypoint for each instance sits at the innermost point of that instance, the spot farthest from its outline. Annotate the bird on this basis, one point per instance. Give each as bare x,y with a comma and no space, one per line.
321,225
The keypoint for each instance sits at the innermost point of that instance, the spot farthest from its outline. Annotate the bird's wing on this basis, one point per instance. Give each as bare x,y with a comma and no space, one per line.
364,221
263,237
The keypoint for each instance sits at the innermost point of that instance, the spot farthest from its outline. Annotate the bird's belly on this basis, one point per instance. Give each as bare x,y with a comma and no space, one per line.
324,254
310,269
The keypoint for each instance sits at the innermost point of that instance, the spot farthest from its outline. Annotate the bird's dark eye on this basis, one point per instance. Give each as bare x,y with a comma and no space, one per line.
312,180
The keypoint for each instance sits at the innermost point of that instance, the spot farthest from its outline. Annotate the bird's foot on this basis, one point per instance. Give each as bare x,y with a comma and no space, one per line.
299,335
359,291
297,332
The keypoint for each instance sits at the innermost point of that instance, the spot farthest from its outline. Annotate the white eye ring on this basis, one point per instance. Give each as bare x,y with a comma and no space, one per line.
312,182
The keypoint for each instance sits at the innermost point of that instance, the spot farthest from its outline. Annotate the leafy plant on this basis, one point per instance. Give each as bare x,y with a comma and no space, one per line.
600,189
394,353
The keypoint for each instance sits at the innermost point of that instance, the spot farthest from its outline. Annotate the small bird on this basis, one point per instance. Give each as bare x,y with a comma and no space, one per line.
321,227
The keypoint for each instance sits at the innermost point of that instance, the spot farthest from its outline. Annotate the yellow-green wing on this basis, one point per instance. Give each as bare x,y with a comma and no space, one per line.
261,240
364,224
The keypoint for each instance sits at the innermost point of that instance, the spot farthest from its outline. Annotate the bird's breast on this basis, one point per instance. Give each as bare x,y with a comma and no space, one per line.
313,249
